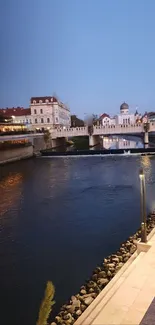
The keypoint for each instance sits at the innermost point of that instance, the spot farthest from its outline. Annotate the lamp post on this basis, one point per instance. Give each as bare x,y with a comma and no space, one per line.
143,206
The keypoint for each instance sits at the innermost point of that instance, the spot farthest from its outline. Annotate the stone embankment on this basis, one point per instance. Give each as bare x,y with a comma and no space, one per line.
101,276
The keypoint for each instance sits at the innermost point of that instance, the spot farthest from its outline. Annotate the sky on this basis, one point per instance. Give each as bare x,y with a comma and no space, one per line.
93,54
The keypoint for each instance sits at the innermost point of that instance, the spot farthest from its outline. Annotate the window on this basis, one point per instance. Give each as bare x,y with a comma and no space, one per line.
36,120
41,111
35,111
48,120
42,120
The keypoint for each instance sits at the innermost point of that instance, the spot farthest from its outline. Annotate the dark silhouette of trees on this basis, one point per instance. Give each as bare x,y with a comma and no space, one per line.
75,121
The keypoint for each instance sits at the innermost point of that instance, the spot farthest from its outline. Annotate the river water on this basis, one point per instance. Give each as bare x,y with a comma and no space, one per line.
58,219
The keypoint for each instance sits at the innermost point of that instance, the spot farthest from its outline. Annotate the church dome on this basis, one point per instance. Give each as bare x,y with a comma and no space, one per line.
124,107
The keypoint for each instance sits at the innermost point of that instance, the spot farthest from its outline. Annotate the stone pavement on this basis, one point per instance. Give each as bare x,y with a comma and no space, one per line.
128,297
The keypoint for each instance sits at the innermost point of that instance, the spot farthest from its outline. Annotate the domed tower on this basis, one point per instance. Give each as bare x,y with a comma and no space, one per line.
124,108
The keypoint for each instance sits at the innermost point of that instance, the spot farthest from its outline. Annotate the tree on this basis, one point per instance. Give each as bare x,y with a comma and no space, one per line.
46,305
75,121
5,119
94,119
47,137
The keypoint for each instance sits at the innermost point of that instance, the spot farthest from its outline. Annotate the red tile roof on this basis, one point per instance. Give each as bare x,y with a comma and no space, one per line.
15,111
104,115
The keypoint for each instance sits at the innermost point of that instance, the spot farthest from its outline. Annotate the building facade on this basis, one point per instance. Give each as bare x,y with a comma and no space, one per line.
43,113
106,120
49,112
123,118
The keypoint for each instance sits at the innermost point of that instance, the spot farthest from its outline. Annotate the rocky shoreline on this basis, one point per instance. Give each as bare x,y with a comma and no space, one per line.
101,276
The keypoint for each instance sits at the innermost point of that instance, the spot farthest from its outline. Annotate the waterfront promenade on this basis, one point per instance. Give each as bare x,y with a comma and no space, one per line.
128,296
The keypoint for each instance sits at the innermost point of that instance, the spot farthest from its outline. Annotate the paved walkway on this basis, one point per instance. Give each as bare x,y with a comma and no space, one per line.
128,299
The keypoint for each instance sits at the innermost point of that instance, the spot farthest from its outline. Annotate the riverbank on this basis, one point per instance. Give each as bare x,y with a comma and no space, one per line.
15,153
102,275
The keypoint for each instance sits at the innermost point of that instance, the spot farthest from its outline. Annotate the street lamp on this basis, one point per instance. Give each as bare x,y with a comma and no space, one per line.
143,206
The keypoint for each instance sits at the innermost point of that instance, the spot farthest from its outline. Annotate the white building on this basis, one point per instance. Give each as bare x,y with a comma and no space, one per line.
106,120
44,113
48,112
125,118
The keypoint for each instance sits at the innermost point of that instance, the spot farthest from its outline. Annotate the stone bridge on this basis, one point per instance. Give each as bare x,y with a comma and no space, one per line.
94,132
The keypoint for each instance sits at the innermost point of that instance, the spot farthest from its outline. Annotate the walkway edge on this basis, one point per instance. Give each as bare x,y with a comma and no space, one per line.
101,300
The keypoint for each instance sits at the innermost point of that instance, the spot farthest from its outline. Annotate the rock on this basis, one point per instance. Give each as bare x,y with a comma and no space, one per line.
102,274
125,259
111,269
71,308
53,323
78,312
132,249
83,292
95,277
111,265
73,298
120,258
83,308
68,316
91,284
97,290
115,259
103,281
97,270
105,260
88,300
83,288
91,290
109,273
58,319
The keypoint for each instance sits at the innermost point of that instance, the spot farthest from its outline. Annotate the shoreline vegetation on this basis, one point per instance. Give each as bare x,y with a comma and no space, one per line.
101,276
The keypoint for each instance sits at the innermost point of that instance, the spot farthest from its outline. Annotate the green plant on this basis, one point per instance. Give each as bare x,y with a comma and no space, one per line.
46,305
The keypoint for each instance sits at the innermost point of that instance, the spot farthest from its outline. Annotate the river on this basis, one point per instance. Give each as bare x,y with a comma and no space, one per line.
58,219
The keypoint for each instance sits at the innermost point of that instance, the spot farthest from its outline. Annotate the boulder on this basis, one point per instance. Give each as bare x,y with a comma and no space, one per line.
102,274
83,292
58,319
88,300
83,307
103,281
109,273
111,265
115,259
95,277
78,312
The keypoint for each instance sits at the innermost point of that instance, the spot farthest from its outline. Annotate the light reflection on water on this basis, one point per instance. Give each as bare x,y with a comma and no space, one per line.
58,219
121,143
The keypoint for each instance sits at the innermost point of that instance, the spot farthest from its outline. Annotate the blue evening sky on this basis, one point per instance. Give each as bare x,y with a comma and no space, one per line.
94,54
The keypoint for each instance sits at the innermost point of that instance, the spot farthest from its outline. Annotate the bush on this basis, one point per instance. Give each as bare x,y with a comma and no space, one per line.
46,305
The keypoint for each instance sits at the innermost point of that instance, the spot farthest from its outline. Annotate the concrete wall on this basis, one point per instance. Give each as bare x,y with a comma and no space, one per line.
15,154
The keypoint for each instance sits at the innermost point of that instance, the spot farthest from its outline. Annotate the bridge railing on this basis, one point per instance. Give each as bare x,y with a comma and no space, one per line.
69,132
100,130
113,129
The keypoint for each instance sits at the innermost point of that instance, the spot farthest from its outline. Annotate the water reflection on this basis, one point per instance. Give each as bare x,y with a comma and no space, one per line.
10,191
121,143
